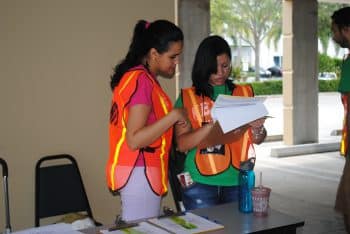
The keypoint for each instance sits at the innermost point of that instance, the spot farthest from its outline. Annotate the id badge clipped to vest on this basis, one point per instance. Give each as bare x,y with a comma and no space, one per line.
185,179
216,149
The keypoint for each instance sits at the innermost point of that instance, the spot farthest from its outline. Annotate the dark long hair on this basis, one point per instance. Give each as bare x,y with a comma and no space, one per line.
205,64
341,17
158,34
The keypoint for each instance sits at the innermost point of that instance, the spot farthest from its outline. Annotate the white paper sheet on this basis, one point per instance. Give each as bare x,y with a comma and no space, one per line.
228,100
233,112
59,228
186,224
142,227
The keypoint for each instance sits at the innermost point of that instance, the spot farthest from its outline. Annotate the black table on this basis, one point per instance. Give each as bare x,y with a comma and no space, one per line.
237,222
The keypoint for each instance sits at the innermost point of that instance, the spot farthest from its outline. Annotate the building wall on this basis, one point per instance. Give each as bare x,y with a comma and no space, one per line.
55,62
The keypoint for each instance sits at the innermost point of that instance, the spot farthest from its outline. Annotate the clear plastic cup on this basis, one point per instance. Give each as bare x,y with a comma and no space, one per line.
260,197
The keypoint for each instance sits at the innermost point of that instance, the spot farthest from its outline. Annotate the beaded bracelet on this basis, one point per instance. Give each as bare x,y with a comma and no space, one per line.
259,132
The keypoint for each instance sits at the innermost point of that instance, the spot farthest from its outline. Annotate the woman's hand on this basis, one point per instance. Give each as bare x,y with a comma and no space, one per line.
181,117
257,123
139,134
258,130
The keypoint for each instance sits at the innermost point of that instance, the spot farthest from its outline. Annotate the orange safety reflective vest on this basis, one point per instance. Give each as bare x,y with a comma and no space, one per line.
344,139
217,159
122,159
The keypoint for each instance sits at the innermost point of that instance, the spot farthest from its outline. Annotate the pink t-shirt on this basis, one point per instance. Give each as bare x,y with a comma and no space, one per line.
143,95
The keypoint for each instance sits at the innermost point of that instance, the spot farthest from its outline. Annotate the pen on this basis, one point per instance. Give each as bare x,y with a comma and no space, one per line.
213,220
122,226
172,215
216,221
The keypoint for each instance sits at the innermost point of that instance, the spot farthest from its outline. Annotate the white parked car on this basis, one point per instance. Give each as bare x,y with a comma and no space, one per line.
327,76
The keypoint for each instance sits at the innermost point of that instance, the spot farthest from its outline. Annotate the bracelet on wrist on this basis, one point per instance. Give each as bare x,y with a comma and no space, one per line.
258,131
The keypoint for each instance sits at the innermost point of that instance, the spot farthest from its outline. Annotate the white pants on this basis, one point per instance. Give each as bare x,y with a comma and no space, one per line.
138,201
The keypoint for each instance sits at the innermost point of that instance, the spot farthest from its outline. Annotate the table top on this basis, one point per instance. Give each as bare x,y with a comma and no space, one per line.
237,222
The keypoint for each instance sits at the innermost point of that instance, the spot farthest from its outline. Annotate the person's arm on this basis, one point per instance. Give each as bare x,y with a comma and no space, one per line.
348,120
217,137
258,131
188,138
139,134
208,135
259,135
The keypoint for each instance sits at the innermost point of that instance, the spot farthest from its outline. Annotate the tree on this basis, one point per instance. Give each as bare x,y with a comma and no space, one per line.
251,21
221,22
220,16
325,10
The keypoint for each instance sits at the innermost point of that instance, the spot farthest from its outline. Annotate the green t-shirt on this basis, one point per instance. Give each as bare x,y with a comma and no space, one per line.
228,177
344,83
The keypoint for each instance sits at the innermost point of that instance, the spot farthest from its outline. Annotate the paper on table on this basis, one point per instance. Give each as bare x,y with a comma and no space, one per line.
233,112
59,228
188,223
142,227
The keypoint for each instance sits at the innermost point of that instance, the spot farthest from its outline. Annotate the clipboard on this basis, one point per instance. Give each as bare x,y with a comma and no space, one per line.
216,136
233,112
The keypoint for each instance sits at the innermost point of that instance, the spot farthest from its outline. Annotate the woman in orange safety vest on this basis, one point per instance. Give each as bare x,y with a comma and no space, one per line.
236,152
141,119
212,166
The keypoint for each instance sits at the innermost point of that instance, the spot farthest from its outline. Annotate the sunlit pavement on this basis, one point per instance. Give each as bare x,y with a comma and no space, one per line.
305,185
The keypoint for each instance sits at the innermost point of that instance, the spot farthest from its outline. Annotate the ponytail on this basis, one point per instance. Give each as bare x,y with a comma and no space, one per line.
158,34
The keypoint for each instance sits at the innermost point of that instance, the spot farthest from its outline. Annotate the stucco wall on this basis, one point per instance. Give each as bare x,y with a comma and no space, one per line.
55,62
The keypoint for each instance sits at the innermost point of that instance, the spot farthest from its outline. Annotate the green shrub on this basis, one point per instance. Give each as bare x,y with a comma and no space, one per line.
329,64
267,87
275,86
328,85
236,72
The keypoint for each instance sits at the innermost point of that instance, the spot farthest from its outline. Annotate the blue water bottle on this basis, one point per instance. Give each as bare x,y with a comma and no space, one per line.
246,184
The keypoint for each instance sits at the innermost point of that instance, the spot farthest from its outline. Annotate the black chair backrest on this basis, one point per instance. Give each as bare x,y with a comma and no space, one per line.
59,189
4,167
6,195
176,163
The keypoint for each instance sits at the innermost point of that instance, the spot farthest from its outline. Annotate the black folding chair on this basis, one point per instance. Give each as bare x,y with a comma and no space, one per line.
59,188
176,162
6,195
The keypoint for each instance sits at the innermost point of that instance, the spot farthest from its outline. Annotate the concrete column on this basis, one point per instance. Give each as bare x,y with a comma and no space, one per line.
194,20
300,69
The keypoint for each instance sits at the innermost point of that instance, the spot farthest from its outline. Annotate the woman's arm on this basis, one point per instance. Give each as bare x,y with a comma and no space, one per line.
258,130
208,135
139,134
259,135
211,134
187,138
347,121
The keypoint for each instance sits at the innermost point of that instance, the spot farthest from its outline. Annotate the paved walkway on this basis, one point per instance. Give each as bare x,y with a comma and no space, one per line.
304,185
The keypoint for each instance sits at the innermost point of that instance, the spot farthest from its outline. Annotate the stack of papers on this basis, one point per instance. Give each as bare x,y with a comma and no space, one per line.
233,112
59,228
187,223
140,228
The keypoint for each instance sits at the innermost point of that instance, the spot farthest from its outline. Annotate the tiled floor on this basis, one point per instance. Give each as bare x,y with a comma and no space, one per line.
319,218
304,186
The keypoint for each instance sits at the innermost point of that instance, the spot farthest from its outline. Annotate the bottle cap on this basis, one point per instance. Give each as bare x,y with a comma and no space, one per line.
247,165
